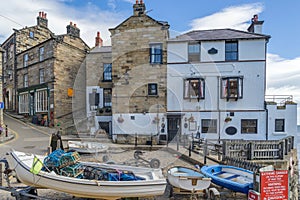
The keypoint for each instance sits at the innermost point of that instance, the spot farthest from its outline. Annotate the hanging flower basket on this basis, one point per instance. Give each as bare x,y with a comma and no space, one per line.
228,119
156,120
120,119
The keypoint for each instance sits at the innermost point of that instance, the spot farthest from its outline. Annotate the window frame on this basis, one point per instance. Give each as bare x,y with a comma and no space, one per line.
249,126
4,56
25,80
194,56
42,53
210,128
201,88
41,100
25,59
107,98
150,90
226,90
231,54
42,75
31,34
107,75
24,103
156,57
282,125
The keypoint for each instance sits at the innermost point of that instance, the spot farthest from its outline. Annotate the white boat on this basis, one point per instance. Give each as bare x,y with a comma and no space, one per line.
188,179
87,147
153,182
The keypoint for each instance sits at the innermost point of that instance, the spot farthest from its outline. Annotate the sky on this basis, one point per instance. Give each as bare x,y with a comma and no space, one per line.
281,23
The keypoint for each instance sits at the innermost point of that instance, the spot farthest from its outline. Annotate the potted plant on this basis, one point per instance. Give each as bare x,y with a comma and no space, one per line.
227,119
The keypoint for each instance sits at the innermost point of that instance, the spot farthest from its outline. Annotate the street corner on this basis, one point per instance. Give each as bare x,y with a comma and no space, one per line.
5,137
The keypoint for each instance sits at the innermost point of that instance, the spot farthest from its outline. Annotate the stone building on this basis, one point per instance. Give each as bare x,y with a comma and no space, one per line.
46,74
138,75
98,88
17,42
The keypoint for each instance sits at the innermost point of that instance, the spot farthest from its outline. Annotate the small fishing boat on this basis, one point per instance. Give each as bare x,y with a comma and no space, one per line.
188,179
87,147
87,179
230,177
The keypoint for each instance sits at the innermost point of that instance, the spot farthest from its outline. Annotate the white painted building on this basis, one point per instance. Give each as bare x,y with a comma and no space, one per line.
216,83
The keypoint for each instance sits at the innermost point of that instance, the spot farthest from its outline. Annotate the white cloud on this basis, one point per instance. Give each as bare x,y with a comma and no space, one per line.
283,77
89,18
236,17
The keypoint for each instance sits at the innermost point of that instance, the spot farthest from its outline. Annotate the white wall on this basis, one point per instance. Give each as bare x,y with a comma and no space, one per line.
253,74
290,116
206,57
252,49
178,52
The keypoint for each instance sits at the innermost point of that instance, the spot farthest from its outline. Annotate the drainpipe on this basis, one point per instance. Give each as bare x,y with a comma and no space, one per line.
218,109
267,121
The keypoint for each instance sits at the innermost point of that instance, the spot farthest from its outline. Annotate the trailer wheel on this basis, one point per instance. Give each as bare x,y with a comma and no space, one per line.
154,163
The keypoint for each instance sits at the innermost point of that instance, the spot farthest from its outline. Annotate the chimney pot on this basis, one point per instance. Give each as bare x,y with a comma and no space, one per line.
40,14
45,15
141,2
75,25
98,40
137,2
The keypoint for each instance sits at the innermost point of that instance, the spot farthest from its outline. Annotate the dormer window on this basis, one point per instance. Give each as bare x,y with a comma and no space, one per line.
194,88
232,88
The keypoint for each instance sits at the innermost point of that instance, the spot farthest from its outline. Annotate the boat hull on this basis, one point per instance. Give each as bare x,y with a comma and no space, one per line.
90,188
230,177
187,179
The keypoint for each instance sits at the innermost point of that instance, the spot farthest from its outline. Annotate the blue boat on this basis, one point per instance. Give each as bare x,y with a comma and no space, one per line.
230,177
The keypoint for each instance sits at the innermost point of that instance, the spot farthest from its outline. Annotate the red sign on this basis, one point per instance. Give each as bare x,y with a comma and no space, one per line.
253,195
274,185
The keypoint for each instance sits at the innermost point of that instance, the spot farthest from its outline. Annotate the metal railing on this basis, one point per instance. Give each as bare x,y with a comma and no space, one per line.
279,100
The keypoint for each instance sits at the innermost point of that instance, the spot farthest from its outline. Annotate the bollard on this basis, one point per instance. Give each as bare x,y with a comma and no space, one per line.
6,131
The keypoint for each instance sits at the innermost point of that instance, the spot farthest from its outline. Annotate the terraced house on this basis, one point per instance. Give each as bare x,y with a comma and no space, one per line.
46,75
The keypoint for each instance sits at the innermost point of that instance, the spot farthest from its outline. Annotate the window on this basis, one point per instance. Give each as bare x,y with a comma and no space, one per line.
23,103
152,89
11,51
42,76
41,97
94,100
107,75
194,88
25,80
232,88
231,51
4,56
279,125
194,52
156,53
41,53
31,34
25,60
249,126
107,97
208,126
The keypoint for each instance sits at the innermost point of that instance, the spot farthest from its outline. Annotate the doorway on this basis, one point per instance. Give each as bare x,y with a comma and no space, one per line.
174,126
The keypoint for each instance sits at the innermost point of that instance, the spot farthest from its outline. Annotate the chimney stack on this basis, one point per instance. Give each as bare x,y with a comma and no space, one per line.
139,8
73,30
42,19
256,25
98,40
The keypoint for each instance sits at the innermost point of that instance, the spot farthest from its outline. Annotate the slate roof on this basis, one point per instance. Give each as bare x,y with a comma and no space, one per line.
218,34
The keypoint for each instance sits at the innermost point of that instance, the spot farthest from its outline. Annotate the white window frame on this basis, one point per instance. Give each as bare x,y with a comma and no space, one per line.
42,76
194,52
25,80
25,59
156,53
41,53
41,100
24,103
